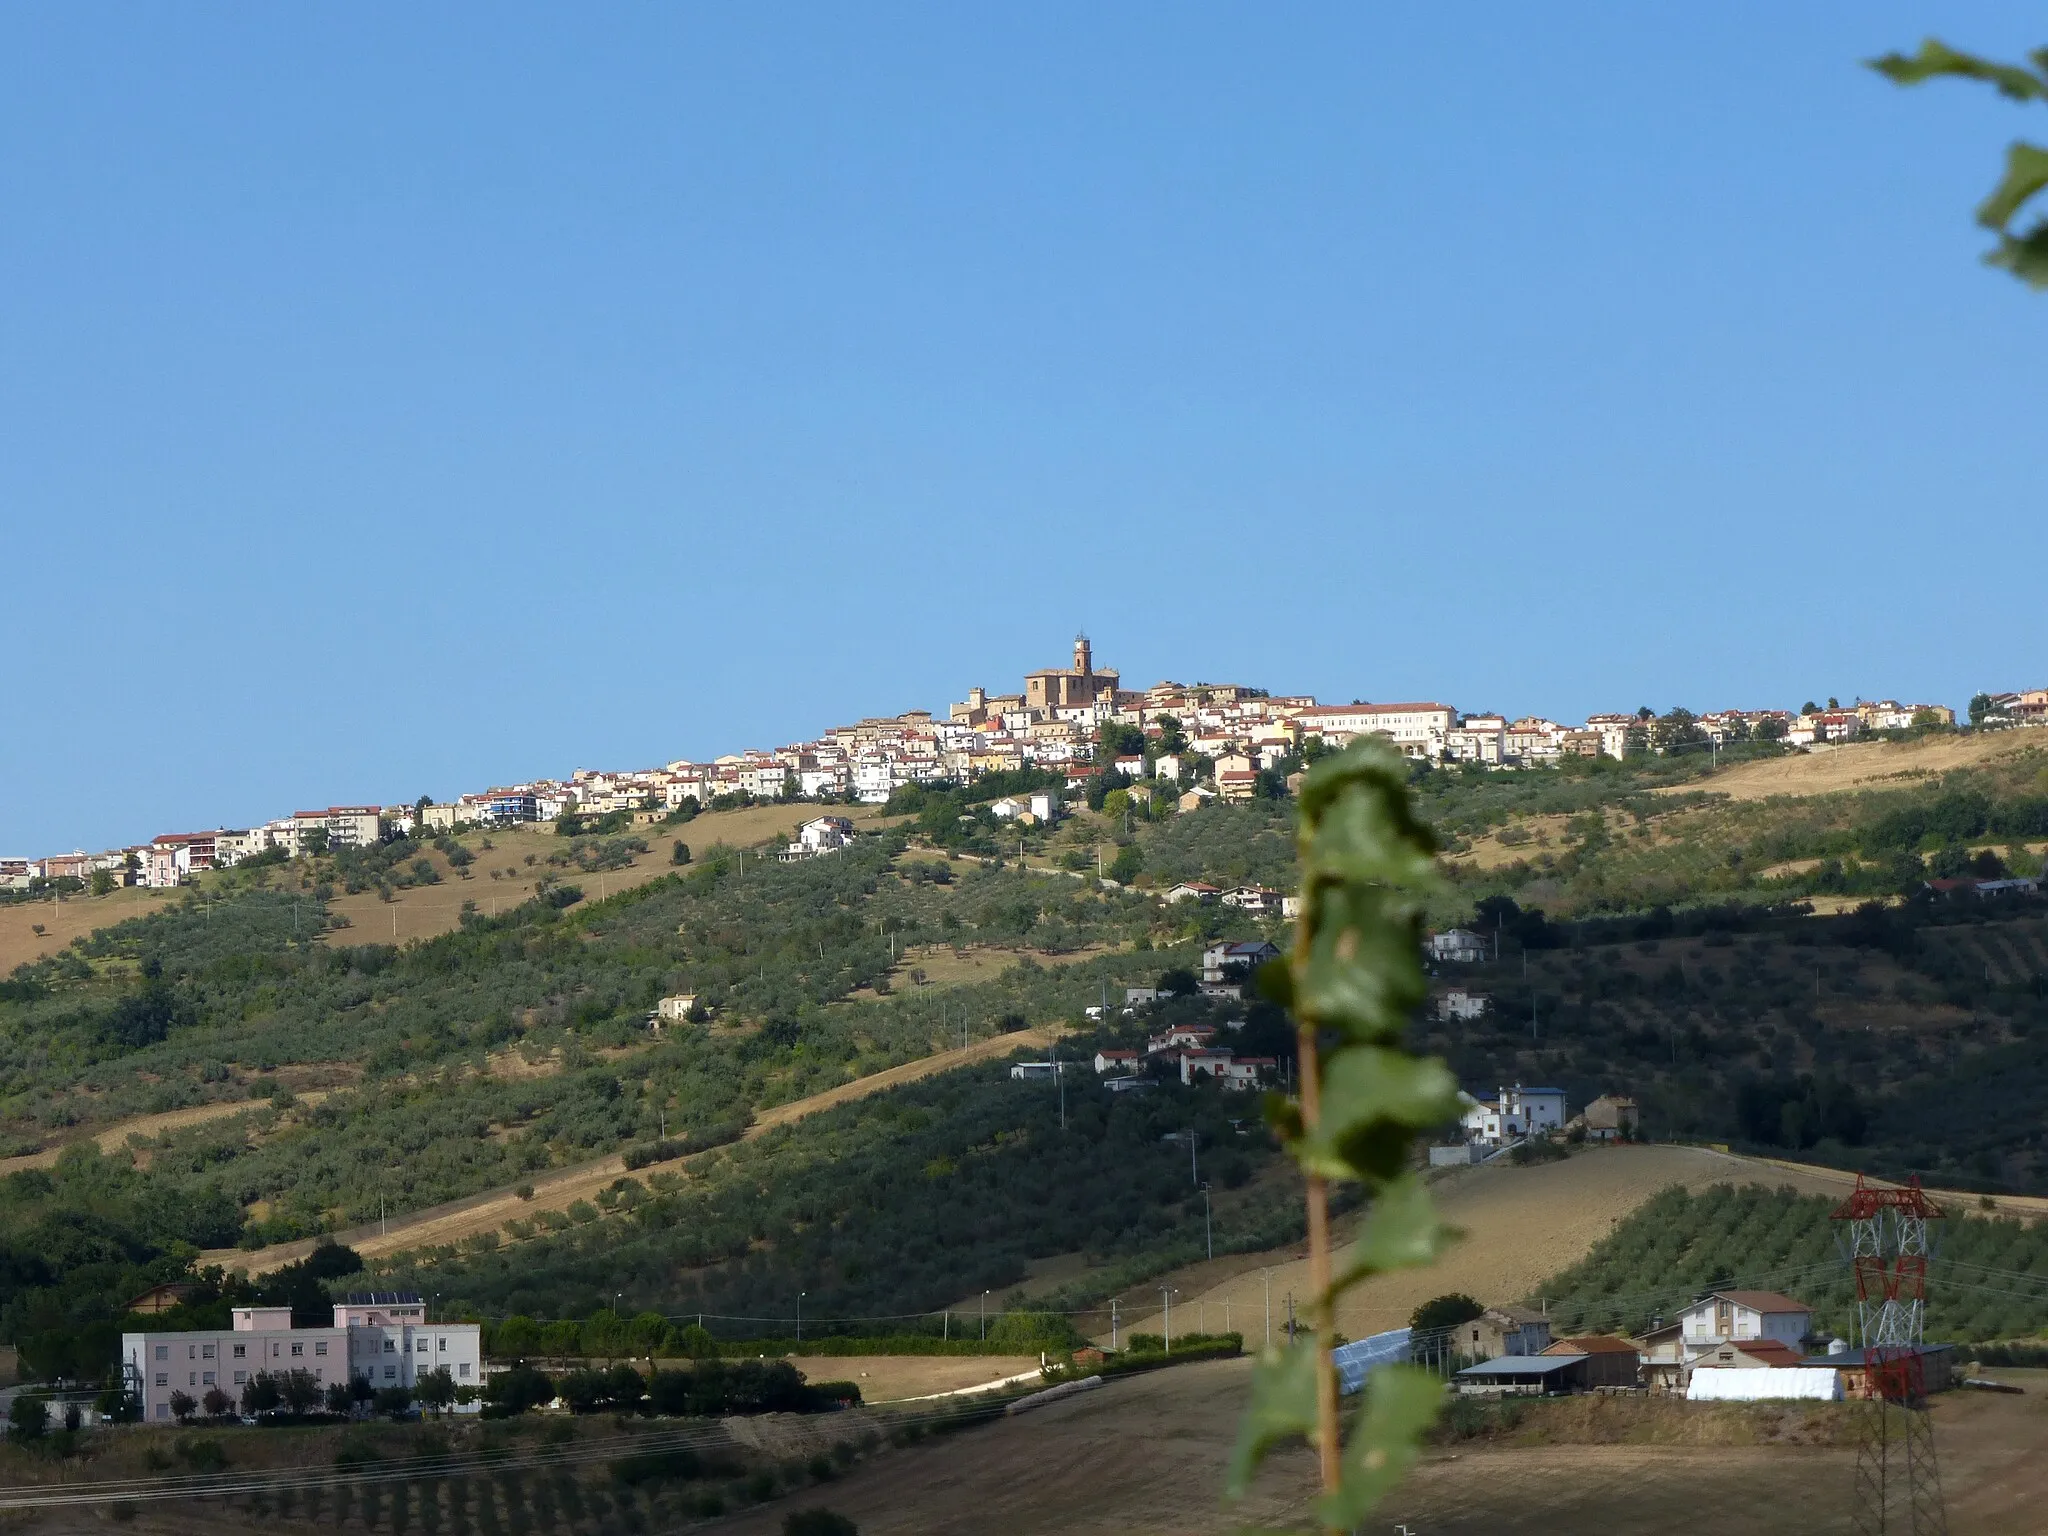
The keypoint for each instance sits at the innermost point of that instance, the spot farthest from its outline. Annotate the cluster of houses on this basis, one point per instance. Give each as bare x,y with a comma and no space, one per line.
1202,742
1728,1345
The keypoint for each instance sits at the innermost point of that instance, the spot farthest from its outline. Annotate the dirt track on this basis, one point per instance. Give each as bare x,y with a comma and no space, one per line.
489,1211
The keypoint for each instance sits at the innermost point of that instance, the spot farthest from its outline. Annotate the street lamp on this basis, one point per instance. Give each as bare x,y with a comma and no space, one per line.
984,1315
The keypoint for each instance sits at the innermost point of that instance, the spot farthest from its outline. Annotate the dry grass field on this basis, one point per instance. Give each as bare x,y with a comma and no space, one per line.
557,1191
63,921
1521,1226
893,1378
1864,765
427,910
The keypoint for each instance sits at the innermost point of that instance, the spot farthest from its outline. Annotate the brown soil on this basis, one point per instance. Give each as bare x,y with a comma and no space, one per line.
63,921
1146,1455
557,1191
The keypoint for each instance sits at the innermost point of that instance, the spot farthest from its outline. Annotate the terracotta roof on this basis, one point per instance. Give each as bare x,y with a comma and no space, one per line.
1769,1351
1592,1344
1758,1301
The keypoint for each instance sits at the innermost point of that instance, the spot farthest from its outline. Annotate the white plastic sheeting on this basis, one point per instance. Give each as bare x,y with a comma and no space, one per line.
1358,1360
1725,1384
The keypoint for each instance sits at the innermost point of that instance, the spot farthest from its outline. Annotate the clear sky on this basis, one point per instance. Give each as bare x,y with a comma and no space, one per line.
402,399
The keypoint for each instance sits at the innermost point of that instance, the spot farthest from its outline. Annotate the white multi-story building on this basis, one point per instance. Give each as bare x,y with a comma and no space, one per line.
1419,730
1518,1111
382,1336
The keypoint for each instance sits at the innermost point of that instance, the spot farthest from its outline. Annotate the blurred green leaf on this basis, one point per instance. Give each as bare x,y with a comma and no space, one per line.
1283,1406
1400,1232
2026,172
1374,1102
1400,1403
1936,59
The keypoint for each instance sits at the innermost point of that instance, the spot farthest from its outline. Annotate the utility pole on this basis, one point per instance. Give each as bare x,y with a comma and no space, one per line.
984,1316
1166,1313
1194,1173
799,1317
1266,1278
1112,1323
1290,1317
1208,1229
1060,1078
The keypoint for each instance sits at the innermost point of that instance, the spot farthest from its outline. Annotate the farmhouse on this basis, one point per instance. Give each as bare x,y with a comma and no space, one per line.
1722,1317
1457,946
1505,1330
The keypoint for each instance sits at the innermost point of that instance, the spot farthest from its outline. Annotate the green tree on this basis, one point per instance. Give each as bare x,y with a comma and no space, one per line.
1446,1311
680,853
183,1406
1125,866
2023,253
103,882
436,1390
30,1417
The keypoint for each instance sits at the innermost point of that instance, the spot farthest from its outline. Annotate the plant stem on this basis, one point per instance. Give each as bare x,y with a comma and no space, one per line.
1324,1307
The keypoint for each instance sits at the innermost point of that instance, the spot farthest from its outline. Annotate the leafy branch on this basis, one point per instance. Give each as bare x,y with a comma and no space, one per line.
1353,981
2025,255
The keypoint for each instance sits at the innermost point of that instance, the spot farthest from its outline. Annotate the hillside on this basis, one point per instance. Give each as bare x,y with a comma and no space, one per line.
248,1068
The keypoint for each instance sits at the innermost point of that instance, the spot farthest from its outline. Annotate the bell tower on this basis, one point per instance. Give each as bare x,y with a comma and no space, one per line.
1083,658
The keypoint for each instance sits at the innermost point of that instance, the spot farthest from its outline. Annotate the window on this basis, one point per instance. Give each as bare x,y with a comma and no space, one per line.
319,1373
421,1346
191,1351
390,1345
163,1378
444,1345
298,1349
206,1378
163,1351
320,1347
273,1349
390,1371
206,1351
241,1351
241,1378
163,1410
191,1378
462,1369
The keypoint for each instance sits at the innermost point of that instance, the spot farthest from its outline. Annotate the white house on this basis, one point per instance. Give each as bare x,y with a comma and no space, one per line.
1460,1004
1192,890
1008,809
1115,1061
1516,1112
1460,946
1220,960
674,1009
1724,1317
822,834
381,1336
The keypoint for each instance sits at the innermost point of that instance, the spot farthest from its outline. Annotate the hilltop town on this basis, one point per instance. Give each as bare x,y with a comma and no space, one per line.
1205,739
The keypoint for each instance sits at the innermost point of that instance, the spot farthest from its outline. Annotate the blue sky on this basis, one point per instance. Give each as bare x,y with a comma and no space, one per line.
395,400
